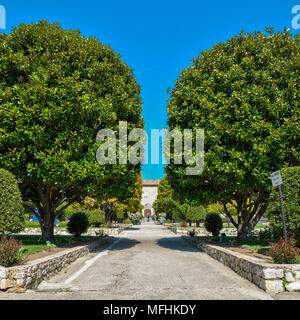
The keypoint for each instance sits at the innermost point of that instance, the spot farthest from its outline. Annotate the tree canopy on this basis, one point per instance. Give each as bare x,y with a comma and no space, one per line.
245,94
57,89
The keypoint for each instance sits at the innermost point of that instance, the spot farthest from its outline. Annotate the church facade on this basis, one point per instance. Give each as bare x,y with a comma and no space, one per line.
149,196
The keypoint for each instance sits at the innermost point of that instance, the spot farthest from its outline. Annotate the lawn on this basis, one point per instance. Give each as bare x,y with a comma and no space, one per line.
32,244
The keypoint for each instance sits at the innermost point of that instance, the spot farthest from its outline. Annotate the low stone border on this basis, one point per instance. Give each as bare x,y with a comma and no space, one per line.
30,275
267,276
90,232
204,232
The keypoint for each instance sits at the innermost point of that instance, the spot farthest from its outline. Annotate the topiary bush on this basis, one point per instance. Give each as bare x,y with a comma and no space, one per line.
12,213
78,224
284,251
213,223
95,217
291,203
10,252
127,221
196,214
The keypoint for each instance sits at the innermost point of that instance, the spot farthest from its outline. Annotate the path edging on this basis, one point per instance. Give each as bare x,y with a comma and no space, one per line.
30,275
270,277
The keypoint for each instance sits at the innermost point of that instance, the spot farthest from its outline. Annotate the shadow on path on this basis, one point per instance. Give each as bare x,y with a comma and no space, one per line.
121,245
176,243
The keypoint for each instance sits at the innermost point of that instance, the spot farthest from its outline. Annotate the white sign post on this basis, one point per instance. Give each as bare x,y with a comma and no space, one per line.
277,182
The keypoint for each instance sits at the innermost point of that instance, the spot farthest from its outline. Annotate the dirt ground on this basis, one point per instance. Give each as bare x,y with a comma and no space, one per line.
41,254
251,253
264,256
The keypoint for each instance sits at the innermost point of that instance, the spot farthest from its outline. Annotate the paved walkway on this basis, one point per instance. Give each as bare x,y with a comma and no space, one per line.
147,262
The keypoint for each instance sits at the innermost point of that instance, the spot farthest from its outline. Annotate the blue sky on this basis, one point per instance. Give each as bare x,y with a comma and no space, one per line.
156,38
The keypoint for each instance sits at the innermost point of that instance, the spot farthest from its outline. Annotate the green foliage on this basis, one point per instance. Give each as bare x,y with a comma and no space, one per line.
12,214
166,201
245,94
291,204
266,234
164,189
179,211
9,251
213,223
57,89
127,221
50,245
284,251
78,224
133,204
168,206
196,213
32,224
63,224
96,217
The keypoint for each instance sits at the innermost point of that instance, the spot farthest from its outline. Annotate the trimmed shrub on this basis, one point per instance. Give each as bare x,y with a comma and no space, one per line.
10,252
196,214
32,224
12,213
284,251
291,203
127,221
95,217
63,224
78,224
213,223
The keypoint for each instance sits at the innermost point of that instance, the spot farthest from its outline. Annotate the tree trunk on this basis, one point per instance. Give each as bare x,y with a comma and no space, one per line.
47,224
244,232
249,212
197,223
108,217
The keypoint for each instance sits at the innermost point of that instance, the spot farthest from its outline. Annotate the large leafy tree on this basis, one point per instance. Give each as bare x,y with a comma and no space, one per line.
133,204
245,94
57,89
164,202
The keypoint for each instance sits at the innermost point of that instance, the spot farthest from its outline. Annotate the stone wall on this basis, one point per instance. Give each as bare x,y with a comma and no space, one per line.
204,232
267,276
90,232
30,275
